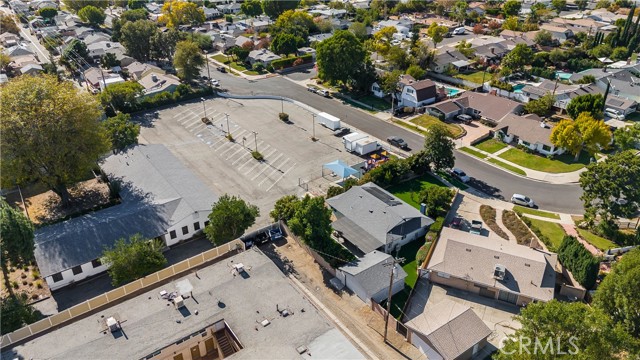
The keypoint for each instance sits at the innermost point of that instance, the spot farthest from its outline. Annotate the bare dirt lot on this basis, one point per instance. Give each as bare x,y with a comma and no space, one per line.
357,316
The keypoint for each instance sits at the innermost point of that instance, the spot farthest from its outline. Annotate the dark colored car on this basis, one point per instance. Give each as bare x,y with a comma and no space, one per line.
397,142
312,89
455,223
222,69
342,131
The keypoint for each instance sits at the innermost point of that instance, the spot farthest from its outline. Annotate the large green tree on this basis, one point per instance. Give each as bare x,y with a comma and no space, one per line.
121,96
618,294
75,55
76,5
188,60
627,138
583,133
436,33
50,133
127,16
16,239
589,103
558,5
133,259
610,188
135,38
286,44
560,330
230,217
517,58
438,147
163,44
15,312
511,7
541,106
340,56
251,8
122,131
285,208
273,8
93,15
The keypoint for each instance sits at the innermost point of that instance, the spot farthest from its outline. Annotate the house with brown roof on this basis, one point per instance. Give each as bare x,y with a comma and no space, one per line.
493,267
448,330
416,94
529,131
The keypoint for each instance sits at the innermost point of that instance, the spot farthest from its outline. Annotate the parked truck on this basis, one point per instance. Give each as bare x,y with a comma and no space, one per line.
328,121
360,144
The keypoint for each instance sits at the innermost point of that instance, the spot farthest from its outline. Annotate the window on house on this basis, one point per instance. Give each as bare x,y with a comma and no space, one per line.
57,277
76,270
196,226
172,234
185,230
95,263
206,223
409,91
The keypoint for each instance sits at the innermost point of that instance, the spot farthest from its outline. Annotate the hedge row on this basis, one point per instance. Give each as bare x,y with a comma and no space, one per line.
288,62
582,264
166,98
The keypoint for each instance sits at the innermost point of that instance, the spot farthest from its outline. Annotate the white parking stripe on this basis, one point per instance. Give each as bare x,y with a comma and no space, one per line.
253,167
281,176
235,153
244,154
265,168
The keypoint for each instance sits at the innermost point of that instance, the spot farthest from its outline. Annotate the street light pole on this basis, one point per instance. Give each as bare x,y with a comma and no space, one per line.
282,104
255,138
208,71
204,107
228,128
313,124
393,267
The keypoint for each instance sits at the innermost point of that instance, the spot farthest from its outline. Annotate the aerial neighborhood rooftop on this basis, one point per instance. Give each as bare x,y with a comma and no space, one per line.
265,179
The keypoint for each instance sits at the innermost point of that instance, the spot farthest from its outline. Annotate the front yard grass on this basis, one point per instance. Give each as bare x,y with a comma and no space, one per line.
560,164
403,124
408,190
427,121
507,166
472,152
597,241
475,77
375,102
552,233
541,213
491,145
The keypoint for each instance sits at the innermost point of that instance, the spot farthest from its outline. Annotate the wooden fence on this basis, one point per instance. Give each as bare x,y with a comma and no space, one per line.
117,295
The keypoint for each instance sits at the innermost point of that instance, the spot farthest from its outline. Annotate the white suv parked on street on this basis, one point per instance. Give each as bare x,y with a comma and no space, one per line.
520,199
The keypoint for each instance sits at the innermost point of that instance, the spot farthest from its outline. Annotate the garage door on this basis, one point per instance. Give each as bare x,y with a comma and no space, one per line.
508,297
488,293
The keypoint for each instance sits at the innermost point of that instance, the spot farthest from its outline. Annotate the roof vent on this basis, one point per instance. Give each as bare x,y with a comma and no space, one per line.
499,271
154,78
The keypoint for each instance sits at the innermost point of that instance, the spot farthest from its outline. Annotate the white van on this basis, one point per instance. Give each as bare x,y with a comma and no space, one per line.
615,114
459,31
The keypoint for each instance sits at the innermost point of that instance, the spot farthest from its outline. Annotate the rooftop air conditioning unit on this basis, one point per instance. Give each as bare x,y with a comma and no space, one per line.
499,271
112,324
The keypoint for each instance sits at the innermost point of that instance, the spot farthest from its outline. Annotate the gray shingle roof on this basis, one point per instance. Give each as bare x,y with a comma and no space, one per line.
527,128
382,216
372,273
472,257
459,335
157,192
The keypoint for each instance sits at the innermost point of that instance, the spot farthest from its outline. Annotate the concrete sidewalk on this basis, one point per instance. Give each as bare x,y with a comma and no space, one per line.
553,178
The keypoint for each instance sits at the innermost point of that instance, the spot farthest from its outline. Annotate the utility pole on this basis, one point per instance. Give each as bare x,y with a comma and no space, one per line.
386,318
313,125
228,128
208,71
282,104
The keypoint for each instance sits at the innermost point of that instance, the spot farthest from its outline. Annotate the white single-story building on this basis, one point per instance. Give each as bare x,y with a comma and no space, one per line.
529,131
368,277
160,199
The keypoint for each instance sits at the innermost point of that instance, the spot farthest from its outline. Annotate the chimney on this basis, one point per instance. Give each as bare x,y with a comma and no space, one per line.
493,50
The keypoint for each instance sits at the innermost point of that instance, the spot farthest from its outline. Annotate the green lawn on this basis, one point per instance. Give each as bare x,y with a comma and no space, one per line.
472,152
221,58
426,121
531,211
410,265
403,124
507,166
552,231
475,77
452,180
408,190
597,241
358,105
491,145
560,164
375,102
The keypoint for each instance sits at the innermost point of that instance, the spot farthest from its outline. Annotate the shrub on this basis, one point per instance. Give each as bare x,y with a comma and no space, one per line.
284,116
24,282
389,173
582,264
229,137
15,284
488,215
517,227
437,199
334,190
34,296
421,255
23,276
437,225
290,61
501,85
39,284
257,155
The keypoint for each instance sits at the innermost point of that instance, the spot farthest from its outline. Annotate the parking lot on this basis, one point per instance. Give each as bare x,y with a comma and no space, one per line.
290,155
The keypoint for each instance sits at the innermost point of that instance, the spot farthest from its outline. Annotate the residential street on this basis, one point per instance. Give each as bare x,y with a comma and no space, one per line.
492,181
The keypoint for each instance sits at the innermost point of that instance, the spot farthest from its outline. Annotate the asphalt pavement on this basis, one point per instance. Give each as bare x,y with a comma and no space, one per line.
488,179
